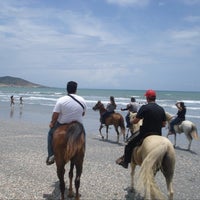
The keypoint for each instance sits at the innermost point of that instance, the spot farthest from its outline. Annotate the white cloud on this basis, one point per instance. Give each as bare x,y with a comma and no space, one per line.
187,34
191,2
129,2
192,19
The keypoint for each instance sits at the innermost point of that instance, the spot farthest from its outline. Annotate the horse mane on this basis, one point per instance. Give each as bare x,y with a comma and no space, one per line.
135,127
168,116
75,138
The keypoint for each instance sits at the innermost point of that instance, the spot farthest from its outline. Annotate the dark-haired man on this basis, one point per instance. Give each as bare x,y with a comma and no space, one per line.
68,108
154,119
132,107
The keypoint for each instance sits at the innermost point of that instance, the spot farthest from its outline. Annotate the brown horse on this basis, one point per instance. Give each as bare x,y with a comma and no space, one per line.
154,154
115,119
69,145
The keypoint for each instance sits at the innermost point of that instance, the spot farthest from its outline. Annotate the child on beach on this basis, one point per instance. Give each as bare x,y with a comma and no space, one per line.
12,101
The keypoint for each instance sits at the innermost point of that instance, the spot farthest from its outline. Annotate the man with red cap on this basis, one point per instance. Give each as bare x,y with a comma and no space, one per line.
154,119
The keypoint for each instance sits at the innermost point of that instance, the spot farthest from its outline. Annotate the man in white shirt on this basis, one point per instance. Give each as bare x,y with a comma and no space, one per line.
67,109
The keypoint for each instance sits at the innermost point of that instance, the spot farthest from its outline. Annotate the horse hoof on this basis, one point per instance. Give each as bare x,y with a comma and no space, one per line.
132,190
71,194
78,197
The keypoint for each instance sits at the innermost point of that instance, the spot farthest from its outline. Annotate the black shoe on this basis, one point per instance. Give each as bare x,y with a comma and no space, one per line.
50,160
124,165
120,161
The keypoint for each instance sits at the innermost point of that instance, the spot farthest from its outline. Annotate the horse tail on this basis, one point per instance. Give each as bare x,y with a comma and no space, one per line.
149,167
75,140
194,132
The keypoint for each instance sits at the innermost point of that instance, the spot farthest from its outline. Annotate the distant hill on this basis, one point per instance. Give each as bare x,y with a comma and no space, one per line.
17,82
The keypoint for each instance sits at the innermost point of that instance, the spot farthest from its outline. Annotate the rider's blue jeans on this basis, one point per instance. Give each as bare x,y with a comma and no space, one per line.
175,121
50,139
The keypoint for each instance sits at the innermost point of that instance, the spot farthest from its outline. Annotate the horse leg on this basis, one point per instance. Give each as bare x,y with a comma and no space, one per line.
77,179
116,129
189,137
175,139
60,173
107,132
168,166
101,126
133,166
70,192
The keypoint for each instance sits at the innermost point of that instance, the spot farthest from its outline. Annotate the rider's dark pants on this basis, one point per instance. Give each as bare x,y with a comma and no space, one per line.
128,120
175,121
133,143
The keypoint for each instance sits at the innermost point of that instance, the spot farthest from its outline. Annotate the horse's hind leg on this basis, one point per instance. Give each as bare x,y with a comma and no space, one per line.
133,166
78,177
61,173
189,137
107,132
70,192
168,166
116,129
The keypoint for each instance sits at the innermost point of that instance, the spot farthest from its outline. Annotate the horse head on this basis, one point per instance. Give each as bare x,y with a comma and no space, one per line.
168,116
135,127
98,106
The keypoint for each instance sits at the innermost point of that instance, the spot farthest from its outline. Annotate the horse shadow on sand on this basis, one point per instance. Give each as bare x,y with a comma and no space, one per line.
109,141
55,195
132,194
186,150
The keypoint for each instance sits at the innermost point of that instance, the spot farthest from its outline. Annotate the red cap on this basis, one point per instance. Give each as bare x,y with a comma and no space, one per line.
150,93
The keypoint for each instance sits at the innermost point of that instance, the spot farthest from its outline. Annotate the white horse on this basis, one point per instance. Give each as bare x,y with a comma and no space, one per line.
187,127
154,154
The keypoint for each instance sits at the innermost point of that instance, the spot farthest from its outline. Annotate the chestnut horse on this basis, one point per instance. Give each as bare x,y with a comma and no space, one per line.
115,119
154,154
187,127
69,145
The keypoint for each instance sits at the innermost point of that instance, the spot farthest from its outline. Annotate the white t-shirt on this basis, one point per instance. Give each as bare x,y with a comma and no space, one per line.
69,110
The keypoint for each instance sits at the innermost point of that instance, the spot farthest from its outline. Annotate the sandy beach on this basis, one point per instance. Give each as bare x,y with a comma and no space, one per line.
24,174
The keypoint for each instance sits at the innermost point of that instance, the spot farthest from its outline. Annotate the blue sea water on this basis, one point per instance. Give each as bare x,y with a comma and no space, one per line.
38,102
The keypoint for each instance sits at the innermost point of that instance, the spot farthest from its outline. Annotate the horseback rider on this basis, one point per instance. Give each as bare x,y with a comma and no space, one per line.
131,107
154,119
110,108
68,108
179,118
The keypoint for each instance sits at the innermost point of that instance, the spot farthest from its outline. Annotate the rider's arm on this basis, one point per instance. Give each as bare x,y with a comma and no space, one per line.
53,119
178,106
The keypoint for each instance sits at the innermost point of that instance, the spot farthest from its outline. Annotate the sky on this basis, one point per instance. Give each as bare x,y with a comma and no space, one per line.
102,44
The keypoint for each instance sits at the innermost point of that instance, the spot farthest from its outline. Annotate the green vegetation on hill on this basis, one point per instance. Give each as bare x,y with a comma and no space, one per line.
14,81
